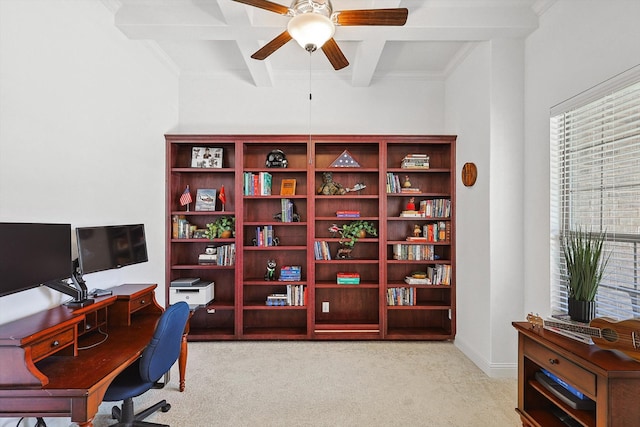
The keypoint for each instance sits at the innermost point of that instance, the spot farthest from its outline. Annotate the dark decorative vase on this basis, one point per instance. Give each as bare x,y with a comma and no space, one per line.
582,311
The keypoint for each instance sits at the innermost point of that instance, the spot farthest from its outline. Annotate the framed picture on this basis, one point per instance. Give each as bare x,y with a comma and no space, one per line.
206,199
206,157
200,233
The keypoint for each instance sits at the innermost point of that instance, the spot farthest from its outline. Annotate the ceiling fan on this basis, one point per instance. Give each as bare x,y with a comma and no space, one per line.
313,23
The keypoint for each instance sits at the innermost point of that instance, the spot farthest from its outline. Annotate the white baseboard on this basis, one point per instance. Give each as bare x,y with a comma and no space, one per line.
493,370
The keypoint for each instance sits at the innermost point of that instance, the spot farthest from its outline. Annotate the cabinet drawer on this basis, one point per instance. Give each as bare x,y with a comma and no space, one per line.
49,345
561,366
140,302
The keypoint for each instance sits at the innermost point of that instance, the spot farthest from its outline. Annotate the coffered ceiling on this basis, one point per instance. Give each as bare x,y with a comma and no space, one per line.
216,38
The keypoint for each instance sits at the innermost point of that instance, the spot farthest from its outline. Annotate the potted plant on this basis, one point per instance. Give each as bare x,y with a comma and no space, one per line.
585,264
350,233
223,227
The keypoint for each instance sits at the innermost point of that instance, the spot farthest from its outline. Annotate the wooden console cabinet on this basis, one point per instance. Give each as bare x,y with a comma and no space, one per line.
371,309
610,378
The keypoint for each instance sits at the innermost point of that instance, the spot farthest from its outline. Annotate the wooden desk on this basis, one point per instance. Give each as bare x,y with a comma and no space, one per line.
610,378
54,363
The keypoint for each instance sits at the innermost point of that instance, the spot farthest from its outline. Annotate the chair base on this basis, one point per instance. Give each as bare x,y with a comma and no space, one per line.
126,417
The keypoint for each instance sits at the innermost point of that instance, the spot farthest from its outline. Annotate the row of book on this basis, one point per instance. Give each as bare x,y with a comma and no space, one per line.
296,295
415,161
393,185
409,252
435,208
264,236
222,255
321,250
439,274
401,296
348,278
286,206
290,273
433,232
257,184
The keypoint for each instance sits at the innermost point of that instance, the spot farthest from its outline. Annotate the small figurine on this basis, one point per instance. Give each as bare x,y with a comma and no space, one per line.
271,270
334,229
329,187
411,206
416,230
344,252
359,186
406,183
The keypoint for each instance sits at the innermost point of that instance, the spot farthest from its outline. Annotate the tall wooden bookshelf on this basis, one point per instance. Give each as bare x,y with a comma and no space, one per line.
321,309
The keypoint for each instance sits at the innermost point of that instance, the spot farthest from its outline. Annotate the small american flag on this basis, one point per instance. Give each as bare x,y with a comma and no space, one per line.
185,198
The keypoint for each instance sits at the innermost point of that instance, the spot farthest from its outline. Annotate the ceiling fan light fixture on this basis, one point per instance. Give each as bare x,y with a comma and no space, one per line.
311,30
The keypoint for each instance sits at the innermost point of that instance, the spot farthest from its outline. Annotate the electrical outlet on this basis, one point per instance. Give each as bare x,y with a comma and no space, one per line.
325,306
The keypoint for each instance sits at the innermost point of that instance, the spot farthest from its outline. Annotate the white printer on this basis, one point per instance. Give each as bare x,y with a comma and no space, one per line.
193,291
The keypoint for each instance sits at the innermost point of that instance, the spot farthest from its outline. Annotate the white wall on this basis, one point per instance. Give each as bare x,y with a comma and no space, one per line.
83,111
579,44
235,106
484,103
468,114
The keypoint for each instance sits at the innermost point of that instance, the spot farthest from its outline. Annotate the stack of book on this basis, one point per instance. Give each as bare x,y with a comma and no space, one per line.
348,214
348,278
290,273
276,299
415,161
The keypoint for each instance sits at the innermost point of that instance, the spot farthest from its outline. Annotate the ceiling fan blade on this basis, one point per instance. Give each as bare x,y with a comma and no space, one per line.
396,17
266,5
272,46
334,54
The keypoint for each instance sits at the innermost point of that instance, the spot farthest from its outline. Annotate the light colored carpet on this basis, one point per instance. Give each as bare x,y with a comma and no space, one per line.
331,384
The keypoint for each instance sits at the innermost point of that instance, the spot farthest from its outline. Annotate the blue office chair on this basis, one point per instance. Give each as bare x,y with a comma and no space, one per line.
156,360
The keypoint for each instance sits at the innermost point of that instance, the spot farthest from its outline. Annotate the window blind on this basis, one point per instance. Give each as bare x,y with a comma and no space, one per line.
595,186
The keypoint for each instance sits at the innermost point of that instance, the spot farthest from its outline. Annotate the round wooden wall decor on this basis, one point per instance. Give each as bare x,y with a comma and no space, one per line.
469,174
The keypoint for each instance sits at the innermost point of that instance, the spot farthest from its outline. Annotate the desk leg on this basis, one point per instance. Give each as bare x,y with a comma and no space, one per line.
182,361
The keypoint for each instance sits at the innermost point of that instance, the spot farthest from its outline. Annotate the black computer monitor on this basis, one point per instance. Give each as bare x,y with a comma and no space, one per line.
33,254
108,247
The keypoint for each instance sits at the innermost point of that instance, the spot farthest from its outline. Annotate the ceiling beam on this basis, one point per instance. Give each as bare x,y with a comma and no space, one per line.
237,17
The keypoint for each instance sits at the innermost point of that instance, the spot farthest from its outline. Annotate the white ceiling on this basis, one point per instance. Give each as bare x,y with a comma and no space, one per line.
217,37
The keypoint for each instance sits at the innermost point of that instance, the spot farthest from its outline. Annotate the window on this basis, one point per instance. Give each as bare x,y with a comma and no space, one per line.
595,185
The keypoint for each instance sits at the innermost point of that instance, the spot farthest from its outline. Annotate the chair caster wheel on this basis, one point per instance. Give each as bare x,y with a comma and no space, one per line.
166,408
115,413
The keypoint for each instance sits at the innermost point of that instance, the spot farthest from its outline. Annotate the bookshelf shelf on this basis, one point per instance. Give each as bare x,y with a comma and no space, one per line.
331,310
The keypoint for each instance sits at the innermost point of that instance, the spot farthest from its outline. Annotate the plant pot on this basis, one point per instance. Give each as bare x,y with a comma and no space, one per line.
225,234
581,311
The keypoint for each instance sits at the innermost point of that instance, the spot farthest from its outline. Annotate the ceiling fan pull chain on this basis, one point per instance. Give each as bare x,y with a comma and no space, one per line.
310,99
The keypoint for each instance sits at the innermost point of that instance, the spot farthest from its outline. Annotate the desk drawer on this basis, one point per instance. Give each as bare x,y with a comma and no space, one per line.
561,366
53,343
140,302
